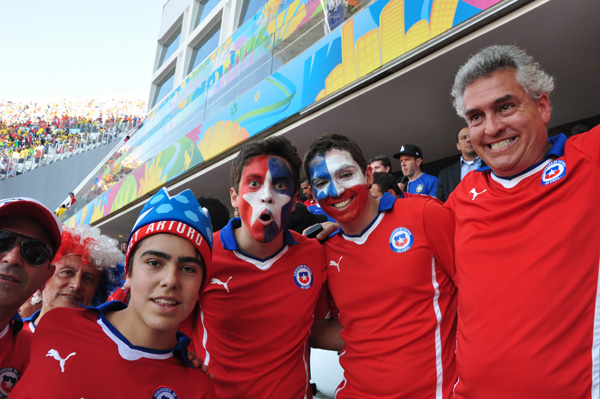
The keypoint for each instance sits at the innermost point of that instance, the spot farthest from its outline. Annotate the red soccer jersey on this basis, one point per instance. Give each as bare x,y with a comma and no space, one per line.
77,353
397,302
527,259
256,317
14,355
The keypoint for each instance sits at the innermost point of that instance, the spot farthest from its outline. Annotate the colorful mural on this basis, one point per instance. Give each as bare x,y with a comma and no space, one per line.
198,120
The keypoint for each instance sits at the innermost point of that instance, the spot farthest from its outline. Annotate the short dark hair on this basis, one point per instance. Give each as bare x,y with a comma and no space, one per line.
385,161
386,181
273,145
219,213
458,133
322,145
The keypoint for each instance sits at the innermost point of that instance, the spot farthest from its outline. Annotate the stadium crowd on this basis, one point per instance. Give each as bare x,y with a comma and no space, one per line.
30,130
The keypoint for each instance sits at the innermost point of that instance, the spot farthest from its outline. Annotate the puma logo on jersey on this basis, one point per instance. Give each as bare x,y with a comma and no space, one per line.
475,193
224,284
336,264
54,353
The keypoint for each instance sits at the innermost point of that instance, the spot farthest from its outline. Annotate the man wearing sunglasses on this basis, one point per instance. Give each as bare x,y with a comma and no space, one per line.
30,235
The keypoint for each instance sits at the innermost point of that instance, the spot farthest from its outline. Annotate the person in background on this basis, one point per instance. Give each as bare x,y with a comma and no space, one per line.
411,158
86,272
384,183
452,175
381,164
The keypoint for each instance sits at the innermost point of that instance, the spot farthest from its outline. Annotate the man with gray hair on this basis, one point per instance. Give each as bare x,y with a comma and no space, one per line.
85,275
527,239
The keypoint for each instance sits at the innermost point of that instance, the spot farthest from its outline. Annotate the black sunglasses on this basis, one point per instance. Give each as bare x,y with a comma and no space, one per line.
34,251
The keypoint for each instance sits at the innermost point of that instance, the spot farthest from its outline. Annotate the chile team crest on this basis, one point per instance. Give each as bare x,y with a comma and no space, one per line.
554,171
401,240
303,277
8,378
164,392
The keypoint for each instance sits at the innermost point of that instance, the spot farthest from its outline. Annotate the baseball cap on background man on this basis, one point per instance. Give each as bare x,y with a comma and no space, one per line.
180,215
33,209
409,149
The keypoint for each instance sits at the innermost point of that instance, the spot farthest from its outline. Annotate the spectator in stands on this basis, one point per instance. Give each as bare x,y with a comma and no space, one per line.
219,214
71,201
61,210
384,183
411,158
307,191
86,272
381,163
453,174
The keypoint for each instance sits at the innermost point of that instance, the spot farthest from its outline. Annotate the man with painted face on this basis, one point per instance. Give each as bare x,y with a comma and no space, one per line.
390,272
257,310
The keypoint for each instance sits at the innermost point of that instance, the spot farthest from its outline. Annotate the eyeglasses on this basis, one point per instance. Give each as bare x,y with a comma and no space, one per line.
34,251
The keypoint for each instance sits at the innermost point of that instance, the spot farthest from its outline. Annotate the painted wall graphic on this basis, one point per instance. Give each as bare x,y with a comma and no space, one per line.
246,86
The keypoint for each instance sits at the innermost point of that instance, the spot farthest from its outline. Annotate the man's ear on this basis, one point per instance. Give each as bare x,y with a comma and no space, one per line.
458,147
234,197
543,105
419,161
369,174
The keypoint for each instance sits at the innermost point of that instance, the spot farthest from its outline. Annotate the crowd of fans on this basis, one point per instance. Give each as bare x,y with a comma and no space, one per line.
30,130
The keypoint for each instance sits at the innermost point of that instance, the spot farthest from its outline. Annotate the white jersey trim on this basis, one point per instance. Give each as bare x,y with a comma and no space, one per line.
306,372
262,265
127,352
438,340
510,183
204,339
344,382
361,239
596,343
3,333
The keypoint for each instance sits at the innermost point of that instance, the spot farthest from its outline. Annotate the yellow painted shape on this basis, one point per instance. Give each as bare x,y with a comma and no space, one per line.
442,16
417,34
221,136
367,52
320,95
348,55
152,176
391,25
335,80
98,212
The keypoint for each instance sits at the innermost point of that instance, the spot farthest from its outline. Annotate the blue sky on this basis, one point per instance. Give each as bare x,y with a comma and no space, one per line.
77,48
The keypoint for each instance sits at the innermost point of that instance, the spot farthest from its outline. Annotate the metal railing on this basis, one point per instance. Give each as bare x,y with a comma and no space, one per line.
84,137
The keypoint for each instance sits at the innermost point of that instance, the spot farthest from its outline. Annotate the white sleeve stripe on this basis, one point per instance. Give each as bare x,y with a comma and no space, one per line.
438,341
596,343
204,338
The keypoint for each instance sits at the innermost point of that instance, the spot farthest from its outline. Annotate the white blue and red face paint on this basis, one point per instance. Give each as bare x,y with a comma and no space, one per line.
266,197
339,185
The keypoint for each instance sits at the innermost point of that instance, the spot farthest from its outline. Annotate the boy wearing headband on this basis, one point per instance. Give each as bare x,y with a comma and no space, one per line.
140,350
